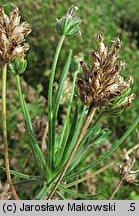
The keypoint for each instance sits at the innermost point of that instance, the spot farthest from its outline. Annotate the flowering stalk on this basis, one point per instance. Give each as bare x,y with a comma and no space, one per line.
82,132
50,101
101,86
117,187
78,181
67,26
11,46
7,164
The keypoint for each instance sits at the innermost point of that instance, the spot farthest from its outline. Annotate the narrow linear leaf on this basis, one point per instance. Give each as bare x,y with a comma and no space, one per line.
76,159
73,137
57,100
65,130
83,196
28,181
35,144
60,195
106,154
27,124
67,136
39,158
96,135
90,130
21,175
43,192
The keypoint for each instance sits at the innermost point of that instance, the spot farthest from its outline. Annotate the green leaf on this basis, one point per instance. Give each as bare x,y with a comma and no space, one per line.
77,158
60,195
96,138
57,100
78,195
39,158
73,135
66,129
106,154
21,175
37,151
43,192
90,130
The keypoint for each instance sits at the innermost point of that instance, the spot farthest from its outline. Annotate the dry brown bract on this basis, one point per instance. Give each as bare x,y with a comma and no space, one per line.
126,169
12,35
99,84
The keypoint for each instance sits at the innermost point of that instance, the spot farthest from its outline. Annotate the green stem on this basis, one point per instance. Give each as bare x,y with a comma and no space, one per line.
35,147
7,164
50,101
82,132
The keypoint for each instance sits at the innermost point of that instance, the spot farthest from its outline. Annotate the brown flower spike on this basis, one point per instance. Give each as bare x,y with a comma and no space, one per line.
100,84
12,35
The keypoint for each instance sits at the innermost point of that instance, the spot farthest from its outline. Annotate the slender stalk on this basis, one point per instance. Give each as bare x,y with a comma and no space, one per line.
82,132
7,164
117,187
107,153
89,176
133,148
50,101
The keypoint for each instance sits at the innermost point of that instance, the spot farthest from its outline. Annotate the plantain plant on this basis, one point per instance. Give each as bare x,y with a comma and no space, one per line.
97,91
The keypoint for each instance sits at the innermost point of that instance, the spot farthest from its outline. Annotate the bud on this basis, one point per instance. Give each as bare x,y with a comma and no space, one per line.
18,65
69,24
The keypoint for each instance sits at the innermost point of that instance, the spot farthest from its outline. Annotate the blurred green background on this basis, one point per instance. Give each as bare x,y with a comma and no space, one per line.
115,18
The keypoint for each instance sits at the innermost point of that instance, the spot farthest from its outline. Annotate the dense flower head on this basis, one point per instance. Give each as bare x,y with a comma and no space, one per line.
12,35
101,83
68,25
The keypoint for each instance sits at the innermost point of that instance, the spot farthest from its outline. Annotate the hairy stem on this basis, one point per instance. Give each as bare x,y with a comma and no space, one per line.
50,101
7,164
82,132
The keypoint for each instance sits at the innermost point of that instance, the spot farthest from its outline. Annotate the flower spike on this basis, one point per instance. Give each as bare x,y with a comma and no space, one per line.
12,35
